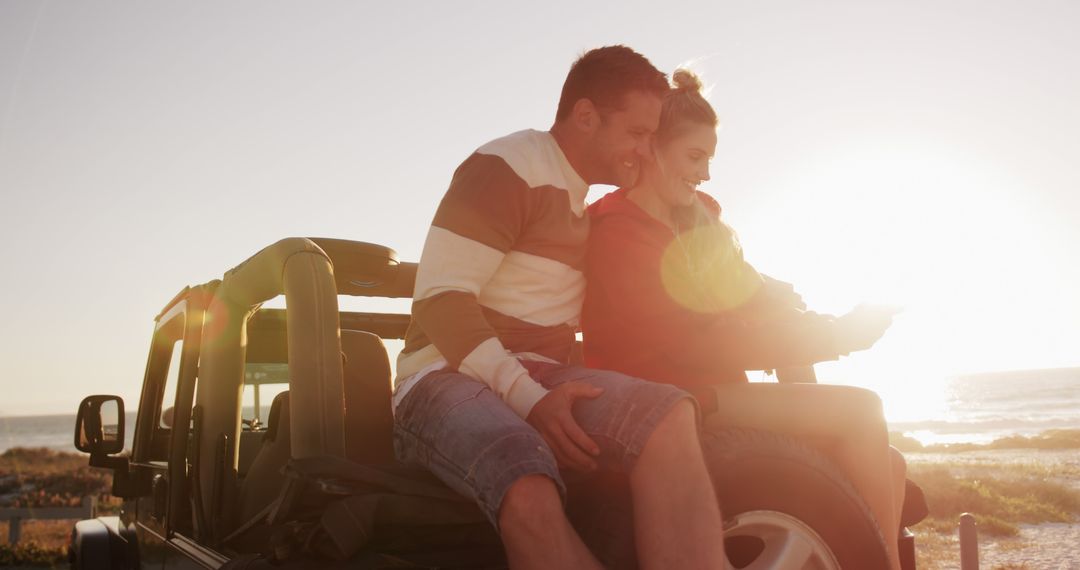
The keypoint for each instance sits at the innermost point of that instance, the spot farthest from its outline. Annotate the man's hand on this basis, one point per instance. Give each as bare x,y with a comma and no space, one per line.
552,417
862,327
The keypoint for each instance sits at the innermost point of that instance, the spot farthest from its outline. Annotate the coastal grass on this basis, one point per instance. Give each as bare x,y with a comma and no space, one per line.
1054,439
31,554
40,461
1006,483
1000,499
1001,494
38,478
1003,484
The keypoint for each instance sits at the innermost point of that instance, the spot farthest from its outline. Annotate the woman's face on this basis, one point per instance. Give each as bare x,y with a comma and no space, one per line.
683,164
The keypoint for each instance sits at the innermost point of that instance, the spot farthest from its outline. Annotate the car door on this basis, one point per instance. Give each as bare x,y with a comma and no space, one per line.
153,426
184,527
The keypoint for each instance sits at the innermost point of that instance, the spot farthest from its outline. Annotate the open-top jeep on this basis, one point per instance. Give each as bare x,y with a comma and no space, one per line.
213,481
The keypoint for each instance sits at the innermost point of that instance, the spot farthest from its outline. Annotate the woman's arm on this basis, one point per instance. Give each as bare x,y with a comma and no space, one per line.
629,312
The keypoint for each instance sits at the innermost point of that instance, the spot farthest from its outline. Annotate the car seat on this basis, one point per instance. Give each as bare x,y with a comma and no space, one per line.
369,419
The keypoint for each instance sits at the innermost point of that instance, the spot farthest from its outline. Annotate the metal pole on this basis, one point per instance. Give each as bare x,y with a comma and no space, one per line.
969,543
255,387
14,529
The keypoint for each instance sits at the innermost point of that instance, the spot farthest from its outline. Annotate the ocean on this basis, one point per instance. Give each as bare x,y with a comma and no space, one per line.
978,408
54,432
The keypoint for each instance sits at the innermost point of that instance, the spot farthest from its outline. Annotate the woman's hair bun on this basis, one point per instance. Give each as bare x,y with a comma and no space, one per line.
686,80
684,105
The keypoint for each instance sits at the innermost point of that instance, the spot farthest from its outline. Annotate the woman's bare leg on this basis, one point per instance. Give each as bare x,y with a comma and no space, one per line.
847,421
899,480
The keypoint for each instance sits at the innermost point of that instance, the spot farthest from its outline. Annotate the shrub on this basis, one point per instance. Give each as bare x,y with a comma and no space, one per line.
999,499
31,554
38,477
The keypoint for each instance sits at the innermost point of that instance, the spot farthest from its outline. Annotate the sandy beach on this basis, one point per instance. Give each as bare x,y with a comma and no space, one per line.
1051,546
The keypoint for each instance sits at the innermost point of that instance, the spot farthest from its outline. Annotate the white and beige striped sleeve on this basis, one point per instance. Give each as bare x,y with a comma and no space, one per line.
477,223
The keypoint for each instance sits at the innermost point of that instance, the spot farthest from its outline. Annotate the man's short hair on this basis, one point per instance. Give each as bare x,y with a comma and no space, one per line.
604,75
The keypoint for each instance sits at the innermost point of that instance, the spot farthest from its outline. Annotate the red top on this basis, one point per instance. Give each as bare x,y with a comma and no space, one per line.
656,308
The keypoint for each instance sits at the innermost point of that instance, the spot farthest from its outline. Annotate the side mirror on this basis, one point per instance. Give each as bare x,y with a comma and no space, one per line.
99,425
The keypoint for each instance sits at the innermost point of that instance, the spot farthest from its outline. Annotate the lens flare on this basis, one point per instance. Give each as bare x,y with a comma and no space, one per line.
703,270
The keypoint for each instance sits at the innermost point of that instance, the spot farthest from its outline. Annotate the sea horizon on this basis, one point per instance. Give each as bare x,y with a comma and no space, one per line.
979,408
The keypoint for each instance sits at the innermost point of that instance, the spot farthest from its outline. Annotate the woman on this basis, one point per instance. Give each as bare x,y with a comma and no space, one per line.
671,299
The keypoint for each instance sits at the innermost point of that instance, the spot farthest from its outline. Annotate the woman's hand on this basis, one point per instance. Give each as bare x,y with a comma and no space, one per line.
552,417
862,327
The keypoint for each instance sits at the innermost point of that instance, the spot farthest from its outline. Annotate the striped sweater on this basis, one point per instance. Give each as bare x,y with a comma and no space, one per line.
501,273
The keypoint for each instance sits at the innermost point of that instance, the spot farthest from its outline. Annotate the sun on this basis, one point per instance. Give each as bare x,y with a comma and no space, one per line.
944,235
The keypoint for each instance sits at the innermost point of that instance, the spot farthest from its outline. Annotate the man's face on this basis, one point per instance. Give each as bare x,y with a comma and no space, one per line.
621,141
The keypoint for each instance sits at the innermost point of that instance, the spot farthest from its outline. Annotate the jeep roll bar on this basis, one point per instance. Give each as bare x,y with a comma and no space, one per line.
310,273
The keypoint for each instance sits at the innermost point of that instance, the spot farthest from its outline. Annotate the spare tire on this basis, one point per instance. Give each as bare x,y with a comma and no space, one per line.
786,506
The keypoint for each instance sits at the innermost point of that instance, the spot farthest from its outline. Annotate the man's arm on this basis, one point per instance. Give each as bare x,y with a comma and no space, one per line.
476,224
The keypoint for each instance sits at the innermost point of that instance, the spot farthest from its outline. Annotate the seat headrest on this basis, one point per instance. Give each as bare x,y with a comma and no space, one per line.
369,421
278,418
364,348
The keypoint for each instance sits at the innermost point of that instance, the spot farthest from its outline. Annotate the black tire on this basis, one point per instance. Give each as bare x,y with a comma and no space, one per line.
775,492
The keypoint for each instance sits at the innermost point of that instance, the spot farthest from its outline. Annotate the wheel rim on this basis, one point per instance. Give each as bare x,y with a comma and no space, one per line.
783,542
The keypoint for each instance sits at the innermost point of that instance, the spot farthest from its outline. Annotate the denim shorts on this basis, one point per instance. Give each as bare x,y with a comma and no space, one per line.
461,431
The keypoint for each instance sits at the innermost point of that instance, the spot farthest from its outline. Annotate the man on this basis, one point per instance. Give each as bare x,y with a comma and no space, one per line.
484,397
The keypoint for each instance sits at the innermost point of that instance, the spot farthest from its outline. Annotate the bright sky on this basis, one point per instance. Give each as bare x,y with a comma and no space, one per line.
921,153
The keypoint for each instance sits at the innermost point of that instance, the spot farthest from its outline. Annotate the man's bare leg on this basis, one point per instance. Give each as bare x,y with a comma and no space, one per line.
677,520
535,530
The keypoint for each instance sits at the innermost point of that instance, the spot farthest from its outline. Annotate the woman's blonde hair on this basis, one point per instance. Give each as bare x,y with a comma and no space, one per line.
704,269
684,107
